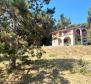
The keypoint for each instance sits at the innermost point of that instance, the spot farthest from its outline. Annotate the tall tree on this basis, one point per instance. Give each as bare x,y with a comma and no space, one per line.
89,23
41,23
89,17
29,22
63,22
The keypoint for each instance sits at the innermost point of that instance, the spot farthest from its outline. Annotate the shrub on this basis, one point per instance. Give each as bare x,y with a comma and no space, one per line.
80,67
37,52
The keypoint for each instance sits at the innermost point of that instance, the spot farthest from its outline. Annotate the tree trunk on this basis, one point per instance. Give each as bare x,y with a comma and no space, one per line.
12,63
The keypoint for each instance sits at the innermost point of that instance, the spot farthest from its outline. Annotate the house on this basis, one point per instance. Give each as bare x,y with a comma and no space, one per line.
70,36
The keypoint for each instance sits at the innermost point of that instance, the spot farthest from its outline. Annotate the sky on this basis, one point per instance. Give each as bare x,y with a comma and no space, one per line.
77,10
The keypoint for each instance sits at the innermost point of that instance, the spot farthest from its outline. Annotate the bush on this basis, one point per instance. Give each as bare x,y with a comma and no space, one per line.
37,52
80,67
89,43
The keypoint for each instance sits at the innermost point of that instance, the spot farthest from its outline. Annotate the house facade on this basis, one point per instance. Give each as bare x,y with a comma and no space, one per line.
70,36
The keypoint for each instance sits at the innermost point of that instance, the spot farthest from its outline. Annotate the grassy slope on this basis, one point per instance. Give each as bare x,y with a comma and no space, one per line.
75,52
69,53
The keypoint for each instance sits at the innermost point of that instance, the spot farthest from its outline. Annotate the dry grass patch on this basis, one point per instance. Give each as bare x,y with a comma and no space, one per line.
55,67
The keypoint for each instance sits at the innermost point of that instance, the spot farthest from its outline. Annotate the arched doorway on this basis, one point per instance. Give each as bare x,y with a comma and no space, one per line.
84,32
78,31
78,37
84,35
67,41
